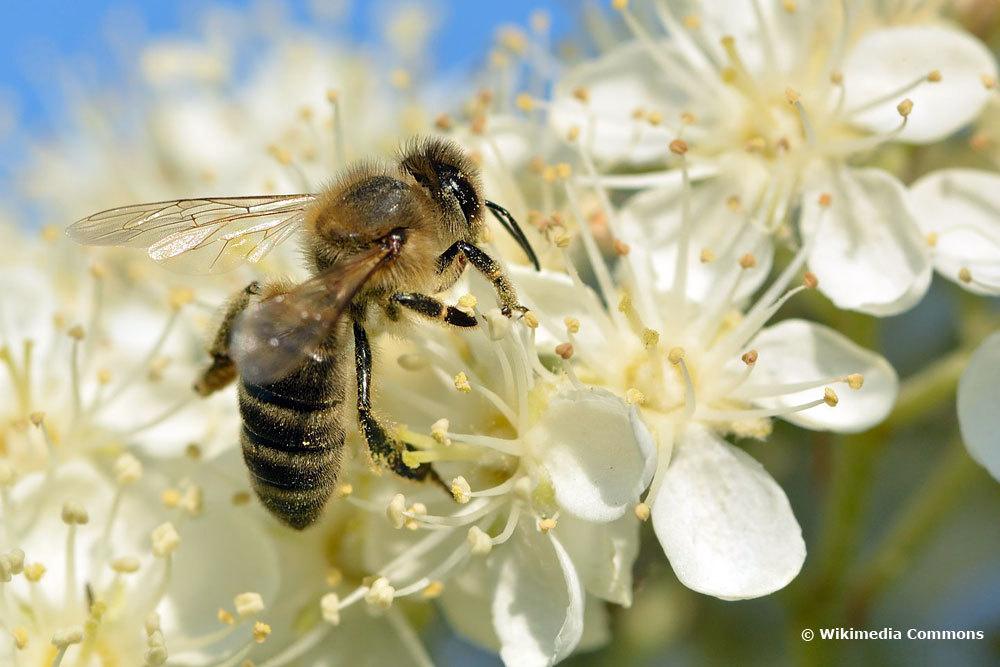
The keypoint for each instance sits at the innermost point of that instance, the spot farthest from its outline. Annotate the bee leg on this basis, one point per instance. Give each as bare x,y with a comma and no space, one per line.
434,309
222,370
490,268
382,447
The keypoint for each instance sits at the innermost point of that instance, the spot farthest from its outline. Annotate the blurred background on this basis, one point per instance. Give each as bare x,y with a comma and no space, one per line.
908,535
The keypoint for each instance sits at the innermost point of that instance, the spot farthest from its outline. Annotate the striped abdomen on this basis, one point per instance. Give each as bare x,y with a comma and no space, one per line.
292,440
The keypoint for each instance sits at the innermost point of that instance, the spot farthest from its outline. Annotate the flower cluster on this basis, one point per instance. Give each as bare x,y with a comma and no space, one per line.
682,189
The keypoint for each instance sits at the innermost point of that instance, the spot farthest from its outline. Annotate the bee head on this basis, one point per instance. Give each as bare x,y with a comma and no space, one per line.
448,176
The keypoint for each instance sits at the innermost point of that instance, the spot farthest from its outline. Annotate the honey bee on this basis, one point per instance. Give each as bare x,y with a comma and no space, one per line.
381,238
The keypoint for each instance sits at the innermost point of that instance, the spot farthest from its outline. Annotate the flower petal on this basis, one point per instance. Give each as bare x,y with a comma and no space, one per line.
978,416
961,208
652,225
868,253
889,59
796,351
724,523
538,601
616,85
603,555
597,454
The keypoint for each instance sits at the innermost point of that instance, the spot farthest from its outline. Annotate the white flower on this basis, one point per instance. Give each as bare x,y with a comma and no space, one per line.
774,99
705,367
959,212
978,416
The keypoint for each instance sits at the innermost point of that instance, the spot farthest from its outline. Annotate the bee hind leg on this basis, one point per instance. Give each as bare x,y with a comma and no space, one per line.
434,309
222,370
381,445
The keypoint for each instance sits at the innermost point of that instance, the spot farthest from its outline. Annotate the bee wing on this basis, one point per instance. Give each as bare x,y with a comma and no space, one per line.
198,235
276,335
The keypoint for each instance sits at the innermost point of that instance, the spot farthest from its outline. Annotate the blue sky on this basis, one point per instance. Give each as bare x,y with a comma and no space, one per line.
36,35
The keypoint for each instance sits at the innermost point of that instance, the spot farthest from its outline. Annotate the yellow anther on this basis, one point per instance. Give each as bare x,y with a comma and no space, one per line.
654,118
619,5
676,355
468,302
581,94
36,418
396,511
180,297
965,275
125,565
789,6
855,381
260,631
641,511
836,77
76,332
432,590
706,255
462,382
443,122
329,606
749,358
748,261
932,239
905,107
563,170
380,594
171,498
635,397
792,95
755,145
692,21
810,280
248,604
547,524
74,513
734,203
573,133
830,397
479,542
934,75
165,539
224,617
460,490
688,118
572,324
400,78
280,155
34,572
530,319
989,81
825,199
20,638
525,102
650,338
678,147
621,248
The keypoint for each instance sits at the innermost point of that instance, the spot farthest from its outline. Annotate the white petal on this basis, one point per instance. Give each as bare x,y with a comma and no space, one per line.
595,452
617,84
795,351
869,254
961,207
885,60
652,225
978,416
596,625
538,601
466,605
724,523
603,554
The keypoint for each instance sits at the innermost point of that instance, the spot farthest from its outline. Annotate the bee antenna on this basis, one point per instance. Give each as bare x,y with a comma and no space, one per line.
508,222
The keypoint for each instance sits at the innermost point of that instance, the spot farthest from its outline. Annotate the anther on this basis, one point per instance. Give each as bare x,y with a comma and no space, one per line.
66,638
20,638
547,524
36,418
248,604
225,617
468,302
563,170
460,490
634,397
396,511
400,78
641,511
706,255
810,280
380,594
749,358
260,631
676,355
825,199
748,261
855,381
678,147
836,77
989,82
432,590
692,21
572,325
905,107
525,102
75,332
650,338
439,431
792,95
621,248
932,239
415,512
34,572
573,133
934,75
830,397
462,382
530,319
165,539
128,469
565,350
125,565
180,297
73,513
479,542
965,275
443,122
329,606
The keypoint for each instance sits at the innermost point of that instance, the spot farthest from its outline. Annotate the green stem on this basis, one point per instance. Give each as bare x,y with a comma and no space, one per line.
914,525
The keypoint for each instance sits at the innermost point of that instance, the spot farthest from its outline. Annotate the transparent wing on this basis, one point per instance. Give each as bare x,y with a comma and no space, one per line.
276,335
198,235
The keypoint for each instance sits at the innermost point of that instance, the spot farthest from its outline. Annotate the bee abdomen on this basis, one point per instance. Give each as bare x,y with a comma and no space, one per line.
292,442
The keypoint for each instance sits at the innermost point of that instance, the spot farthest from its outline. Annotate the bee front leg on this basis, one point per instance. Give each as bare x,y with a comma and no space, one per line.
491,269
382,447
222,370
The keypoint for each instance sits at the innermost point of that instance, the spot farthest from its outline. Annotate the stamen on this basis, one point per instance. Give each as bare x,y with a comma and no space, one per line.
148,359
829,397
889,96
508,530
